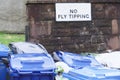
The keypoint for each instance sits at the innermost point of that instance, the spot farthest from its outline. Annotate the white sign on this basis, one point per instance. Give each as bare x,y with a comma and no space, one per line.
73,11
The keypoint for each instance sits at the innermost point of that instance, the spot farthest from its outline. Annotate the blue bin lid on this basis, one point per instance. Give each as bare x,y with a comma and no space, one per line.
95,73
27,47
76,60
31,62
4,50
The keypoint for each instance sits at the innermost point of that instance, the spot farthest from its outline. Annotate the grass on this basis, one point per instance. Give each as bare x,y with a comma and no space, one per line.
6,38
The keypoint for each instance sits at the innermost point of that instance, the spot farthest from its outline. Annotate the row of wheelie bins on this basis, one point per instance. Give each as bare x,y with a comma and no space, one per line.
26,61
30,61
86,67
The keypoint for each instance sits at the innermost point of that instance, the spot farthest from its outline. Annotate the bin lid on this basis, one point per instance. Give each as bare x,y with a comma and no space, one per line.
96,73
76,60
27,47
4,50
31,62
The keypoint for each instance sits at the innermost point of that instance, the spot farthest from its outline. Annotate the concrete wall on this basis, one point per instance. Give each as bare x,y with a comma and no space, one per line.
13,16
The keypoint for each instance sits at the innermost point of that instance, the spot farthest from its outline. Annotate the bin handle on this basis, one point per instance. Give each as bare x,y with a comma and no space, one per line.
60,53
82,60
22,72
32,62
35,72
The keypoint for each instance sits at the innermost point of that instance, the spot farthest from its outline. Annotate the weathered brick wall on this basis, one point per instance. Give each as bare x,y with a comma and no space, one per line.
54,1
99,34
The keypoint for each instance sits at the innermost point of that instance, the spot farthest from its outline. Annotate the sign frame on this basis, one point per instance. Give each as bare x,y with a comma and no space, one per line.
73,12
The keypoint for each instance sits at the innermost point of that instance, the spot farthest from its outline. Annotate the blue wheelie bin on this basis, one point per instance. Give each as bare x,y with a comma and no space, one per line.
86,68
3,71
92,73
30,61
76,60
31,67
4,51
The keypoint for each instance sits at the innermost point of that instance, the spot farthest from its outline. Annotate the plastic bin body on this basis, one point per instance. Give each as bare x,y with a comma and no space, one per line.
88,73
76,60
4,51
32,76
32,67
3,71
86,68
26,47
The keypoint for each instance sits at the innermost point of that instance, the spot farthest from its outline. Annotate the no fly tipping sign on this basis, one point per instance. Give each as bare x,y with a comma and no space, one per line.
73,11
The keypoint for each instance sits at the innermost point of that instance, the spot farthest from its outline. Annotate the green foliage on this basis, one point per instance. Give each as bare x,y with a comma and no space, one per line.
59,69
6,38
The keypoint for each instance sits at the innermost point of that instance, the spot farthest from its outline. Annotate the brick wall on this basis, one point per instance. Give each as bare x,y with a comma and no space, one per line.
90,36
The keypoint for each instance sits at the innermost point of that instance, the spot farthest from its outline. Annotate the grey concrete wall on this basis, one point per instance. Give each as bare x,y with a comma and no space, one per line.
13,17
